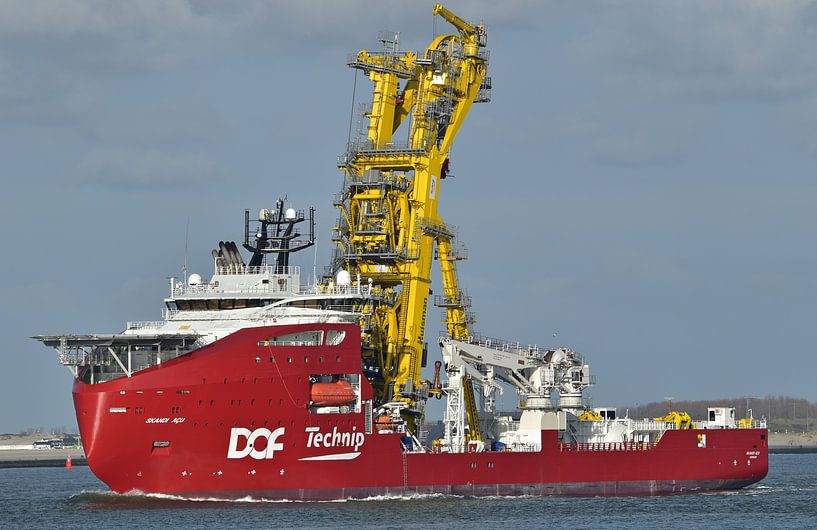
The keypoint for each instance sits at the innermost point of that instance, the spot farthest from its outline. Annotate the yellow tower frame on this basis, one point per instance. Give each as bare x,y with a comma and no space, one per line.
389,221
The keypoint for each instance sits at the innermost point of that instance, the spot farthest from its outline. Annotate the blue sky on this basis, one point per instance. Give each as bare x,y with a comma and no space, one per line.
642,185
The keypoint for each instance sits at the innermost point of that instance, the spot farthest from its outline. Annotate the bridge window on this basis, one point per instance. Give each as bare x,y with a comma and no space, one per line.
304,338
335,337
216,304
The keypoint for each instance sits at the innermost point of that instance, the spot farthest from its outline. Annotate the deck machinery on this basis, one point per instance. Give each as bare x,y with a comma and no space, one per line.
389,229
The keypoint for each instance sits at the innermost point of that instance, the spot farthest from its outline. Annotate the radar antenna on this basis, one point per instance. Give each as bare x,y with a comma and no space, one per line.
275,232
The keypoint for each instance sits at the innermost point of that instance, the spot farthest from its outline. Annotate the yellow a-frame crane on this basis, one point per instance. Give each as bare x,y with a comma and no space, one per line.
389,221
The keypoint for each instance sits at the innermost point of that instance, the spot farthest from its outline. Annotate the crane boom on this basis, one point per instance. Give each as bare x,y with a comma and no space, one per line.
464,27
389,222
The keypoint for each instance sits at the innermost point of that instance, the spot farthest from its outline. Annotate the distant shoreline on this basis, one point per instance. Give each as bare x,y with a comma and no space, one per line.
19,454
50,462
792,449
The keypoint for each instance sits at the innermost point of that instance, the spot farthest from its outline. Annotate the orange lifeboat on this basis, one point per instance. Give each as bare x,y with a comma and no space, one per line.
331,394
384,423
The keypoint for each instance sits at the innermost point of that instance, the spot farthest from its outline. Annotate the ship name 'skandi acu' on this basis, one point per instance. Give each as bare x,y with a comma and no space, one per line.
256,383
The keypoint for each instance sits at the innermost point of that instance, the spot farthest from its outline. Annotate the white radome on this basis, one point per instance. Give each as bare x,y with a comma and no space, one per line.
344,278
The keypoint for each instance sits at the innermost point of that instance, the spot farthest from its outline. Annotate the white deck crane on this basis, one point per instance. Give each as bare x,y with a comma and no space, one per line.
535,373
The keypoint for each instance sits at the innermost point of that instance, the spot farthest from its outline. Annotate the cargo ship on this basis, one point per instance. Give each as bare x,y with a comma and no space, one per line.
257,384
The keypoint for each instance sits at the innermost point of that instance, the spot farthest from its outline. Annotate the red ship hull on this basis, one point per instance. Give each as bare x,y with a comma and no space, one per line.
232,420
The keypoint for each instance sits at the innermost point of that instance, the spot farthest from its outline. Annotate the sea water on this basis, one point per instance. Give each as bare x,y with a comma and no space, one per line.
74,498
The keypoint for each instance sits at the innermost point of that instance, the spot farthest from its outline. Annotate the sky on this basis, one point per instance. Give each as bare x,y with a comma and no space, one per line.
641,187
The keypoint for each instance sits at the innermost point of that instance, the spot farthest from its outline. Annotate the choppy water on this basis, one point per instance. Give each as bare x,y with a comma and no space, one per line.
55,497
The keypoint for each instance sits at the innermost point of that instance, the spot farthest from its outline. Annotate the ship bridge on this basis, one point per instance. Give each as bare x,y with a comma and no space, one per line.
235,288
268,285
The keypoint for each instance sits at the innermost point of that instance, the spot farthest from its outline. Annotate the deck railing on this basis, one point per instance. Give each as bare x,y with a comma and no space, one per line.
606,446
261,269
510,448
148,324
283,285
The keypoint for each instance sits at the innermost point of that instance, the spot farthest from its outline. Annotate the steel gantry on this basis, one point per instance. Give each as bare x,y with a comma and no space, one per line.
389,221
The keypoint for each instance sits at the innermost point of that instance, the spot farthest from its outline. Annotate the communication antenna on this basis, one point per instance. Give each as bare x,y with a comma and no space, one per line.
315,265
186,239
669,402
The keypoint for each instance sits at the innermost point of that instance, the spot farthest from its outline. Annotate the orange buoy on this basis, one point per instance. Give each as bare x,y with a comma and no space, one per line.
68,463
331,394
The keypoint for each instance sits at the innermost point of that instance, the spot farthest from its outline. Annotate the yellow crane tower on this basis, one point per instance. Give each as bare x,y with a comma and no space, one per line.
389,221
